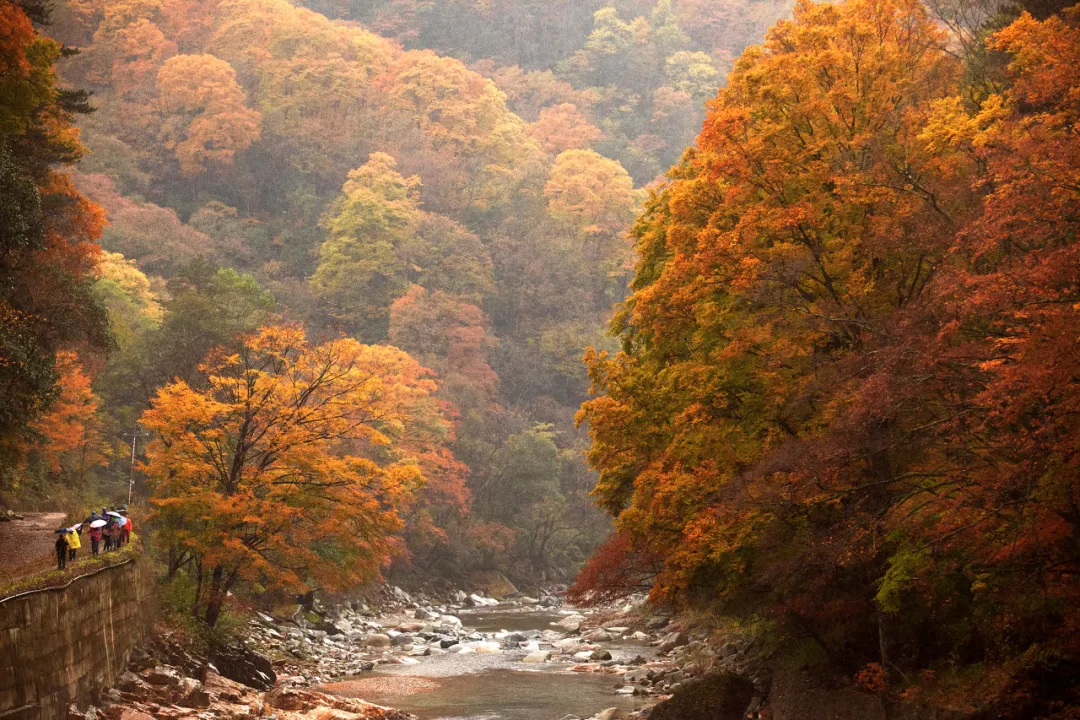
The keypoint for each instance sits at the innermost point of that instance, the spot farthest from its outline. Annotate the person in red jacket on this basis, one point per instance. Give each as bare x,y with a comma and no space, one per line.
95,540
125,532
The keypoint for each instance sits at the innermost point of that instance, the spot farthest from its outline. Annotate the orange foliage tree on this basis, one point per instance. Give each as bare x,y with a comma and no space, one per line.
285,466
205,118
69,432
847,392
449,335
563,127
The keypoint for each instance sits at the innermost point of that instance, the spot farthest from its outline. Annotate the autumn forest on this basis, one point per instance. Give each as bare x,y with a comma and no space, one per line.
769,311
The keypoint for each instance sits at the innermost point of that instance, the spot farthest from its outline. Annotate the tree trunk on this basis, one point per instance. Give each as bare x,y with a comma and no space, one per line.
177,560
216,596
883,642
198,588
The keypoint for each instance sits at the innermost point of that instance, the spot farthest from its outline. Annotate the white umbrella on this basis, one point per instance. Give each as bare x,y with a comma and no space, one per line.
99,523
115,514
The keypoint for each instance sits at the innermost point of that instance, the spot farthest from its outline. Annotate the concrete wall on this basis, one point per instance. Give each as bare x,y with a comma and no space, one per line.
67,644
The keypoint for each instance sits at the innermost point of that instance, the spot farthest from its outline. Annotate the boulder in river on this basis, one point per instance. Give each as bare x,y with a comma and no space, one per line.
609,714
571,623
192,694
538,656
164,675
486,646
378,640
244,666
658,623
672,641
477,600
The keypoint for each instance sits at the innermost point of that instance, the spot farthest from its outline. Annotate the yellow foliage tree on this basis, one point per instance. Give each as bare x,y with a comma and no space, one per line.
596,197
474,150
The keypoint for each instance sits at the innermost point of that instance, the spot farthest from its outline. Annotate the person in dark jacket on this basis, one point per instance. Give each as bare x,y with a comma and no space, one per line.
61,551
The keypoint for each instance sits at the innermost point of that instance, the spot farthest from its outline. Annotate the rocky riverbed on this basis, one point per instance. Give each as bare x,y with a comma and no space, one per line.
468,655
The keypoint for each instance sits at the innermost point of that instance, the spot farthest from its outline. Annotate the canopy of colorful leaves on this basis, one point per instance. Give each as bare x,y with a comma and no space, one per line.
342,172
47,229
285,465
848,389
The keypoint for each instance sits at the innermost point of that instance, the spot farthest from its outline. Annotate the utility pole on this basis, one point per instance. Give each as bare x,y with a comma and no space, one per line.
135,435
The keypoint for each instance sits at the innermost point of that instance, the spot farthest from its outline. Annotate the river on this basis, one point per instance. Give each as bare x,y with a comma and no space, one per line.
502,687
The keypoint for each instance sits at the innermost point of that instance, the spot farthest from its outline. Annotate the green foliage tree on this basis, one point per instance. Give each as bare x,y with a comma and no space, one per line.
362,267
201,308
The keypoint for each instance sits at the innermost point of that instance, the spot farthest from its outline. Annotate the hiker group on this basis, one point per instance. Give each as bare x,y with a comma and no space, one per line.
108,530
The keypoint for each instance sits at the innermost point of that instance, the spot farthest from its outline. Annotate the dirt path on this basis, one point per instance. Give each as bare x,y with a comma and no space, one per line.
26,546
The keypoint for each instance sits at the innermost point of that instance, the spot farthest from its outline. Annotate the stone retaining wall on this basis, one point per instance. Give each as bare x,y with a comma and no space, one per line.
68,644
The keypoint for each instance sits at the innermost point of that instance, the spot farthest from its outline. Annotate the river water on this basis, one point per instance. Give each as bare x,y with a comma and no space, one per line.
501,687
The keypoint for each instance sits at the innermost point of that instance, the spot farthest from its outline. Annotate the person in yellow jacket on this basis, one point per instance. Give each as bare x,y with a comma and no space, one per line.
73,543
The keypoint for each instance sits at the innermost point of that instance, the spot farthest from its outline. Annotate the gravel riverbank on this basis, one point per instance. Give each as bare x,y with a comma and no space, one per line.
422,654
